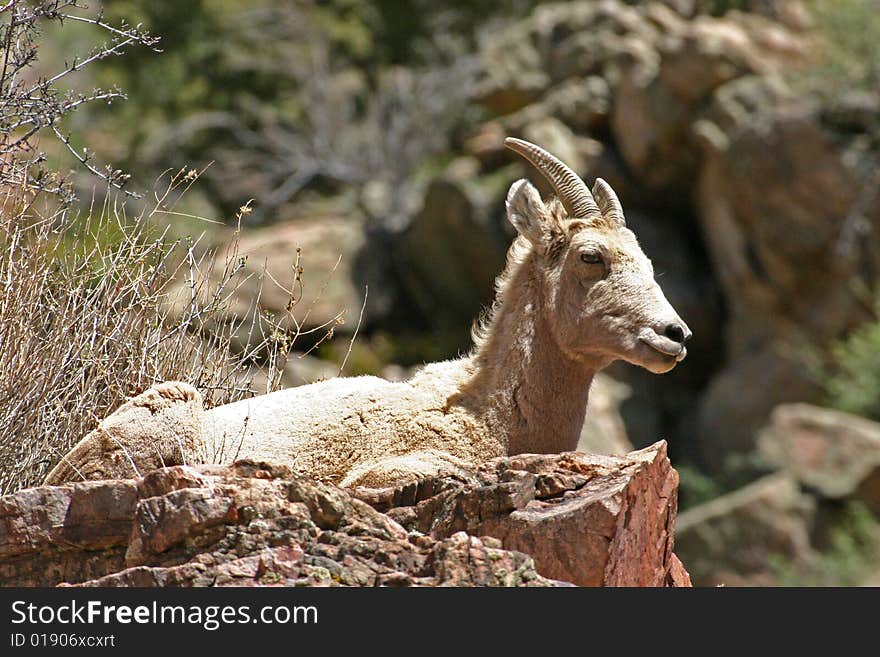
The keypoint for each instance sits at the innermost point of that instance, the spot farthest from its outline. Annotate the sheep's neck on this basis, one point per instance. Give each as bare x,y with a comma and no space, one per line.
529,388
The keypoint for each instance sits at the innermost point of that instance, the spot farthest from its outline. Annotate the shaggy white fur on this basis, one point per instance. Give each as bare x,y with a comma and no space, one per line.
576,294
360,430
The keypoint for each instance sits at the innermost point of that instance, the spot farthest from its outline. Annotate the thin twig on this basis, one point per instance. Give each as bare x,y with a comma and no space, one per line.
83,159
354,335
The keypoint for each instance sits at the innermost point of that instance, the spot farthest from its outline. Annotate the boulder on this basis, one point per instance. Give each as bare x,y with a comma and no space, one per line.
733,407
329,293
604,431
834,453
774,194
793,237
588,519
663,91
326,248
447,258
558,41
741,538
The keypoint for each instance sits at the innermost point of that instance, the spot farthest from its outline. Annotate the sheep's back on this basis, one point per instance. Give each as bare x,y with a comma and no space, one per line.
328,428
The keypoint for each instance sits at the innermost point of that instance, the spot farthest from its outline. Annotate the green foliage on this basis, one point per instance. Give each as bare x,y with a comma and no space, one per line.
849,38
721,7
851,554
738,470
285,97
696,487
853,384
407,30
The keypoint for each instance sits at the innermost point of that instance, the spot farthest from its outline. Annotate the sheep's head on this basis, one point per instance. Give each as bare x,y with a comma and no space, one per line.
598,289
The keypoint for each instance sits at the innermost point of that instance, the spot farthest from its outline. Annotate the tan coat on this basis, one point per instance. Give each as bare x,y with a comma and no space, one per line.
576,294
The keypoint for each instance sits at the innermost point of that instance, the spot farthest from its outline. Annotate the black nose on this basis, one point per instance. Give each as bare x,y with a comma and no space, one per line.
677,333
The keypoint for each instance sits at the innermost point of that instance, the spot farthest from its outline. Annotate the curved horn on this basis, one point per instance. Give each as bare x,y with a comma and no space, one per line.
608,202
573,192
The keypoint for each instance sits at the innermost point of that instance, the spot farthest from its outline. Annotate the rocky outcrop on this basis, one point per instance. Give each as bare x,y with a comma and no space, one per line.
835,454
738,538
447,257
588,519
679,67
779,198
244,525
643,71
585,519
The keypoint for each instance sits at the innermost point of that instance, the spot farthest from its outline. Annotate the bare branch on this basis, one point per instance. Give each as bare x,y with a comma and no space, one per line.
27,109
115,179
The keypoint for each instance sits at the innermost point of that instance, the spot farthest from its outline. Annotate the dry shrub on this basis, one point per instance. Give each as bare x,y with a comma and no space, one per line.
97,306
86,321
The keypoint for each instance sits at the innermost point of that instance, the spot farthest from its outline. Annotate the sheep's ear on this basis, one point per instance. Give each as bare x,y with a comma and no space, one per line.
531,218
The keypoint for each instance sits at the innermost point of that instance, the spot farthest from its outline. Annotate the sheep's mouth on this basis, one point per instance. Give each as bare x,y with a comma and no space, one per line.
674,351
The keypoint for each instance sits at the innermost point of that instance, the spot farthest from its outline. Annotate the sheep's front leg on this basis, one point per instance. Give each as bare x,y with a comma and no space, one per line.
406,469
158,428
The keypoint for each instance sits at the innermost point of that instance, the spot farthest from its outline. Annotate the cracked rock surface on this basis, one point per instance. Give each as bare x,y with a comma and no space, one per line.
528,520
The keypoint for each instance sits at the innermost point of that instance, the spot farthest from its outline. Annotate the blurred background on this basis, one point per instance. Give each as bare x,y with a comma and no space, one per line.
742,136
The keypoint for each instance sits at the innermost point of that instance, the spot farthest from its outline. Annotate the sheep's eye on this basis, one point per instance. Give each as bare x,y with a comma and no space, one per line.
592,257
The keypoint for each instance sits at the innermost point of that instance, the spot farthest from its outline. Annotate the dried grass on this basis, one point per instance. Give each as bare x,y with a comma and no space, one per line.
86,321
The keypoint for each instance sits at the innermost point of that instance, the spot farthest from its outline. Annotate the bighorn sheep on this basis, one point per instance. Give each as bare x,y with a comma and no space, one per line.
576,294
